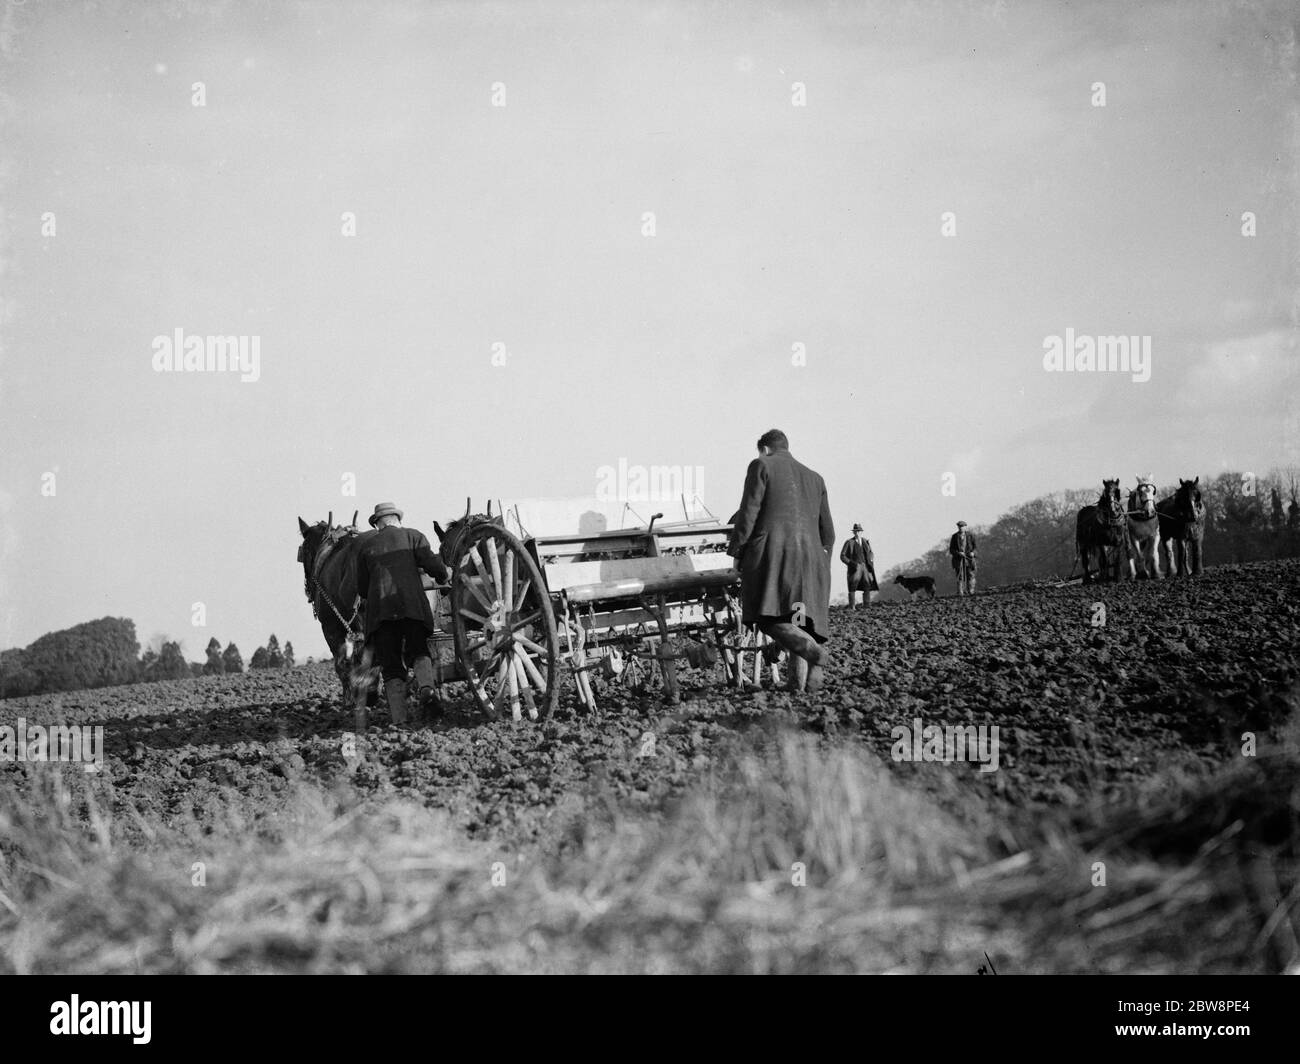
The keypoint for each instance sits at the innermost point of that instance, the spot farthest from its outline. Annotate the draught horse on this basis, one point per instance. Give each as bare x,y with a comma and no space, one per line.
1103,528
1182,527
328,553
1144,531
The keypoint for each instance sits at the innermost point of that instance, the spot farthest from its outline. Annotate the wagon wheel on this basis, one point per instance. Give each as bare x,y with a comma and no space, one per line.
506,641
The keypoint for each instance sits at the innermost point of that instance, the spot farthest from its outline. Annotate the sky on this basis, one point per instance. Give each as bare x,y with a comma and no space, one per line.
588,233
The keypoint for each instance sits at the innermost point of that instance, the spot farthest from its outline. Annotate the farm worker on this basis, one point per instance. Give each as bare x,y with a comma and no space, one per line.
962,546
856,554
399,621
783,540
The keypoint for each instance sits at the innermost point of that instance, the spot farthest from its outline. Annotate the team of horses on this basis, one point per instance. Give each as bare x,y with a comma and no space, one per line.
1115,535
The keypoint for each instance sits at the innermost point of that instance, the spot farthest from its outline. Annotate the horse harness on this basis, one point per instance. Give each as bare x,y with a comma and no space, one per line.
331,540
1110,515
1197,511
1142,515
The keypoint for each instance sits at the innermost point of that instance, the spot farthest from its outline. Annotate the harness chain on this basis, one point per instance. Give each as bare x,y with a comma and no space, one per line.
317,590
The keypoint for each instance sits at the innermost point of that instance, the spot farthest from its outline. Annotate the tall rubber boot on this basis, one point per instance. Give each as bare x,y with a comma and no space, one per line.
817,658
797,681
395,692
427,685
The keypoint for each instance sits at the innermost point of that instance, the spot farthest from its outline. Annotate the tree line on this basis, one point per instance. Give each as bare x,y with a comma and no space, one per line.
1247,518
105,653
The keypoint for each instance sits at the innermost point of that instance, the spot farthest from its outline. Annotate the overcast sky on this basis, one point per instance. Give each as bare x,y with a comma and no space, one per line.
775,225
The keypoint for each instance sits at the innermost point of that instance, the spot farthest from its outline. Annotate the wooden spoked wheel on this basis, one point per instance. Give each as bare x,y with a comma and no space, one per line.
504,628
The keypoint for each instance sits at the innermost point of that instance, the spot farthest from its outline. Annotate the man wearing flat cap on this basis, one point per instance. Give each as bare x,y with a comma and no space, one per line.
399,621
856,554
961,549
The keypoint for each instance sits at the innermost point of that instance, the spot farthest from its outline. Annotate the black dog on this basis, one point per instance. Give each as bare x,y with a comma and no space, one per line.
913,584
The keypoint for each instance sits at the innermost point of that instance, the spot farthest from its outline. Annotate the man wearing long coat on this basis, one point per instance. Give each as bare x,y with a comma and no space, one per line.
856,554
783,538
399,619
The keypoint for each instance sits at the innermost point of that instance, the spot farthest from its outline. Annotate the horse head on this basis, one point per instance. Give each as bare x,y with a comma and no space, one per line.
1110,507
1188,504
449,537
313,538
1142,500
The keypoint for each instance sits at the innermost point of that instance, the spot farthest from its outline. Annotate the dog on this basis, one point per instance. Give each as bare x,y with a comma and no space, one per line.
913,584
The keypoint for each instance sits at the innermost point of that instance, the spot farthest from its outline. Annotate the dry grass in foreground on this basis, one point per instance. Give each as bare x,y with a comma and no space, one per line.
1206,883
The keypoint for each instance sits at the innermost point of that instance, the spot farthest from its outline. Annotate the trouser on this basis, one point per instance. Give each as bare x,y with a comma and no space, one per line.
970,572
860,579
399,644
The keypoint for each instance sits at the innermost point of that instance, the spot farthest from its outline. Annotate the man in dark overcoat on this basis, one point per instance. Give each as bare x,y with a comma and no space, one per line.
783,540
856,554
399,620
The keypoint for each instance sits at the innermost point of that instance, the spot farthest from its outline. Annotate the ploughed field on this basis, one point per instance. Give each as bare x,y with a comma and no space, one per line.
1106,698
1085,709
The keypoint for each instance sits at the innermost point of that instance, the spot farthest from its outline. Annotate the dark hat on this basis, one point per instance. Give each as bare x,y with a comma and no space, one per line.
857,527
961,524
385,509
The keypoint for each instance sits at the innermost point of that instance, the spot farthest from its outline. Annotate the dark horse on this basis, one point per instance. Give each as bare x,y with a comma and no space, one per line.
329,563
1102,528
1182,526
449,537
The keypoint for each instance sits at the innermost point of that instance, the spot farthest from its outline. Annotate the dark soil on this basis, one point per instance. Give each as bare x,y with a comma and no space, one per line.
1088,713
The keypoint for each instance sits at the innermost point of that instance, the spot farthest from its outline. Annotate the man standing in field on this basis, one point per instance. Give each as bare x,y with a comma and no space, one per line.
961,549
783,538
856,554
399,620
